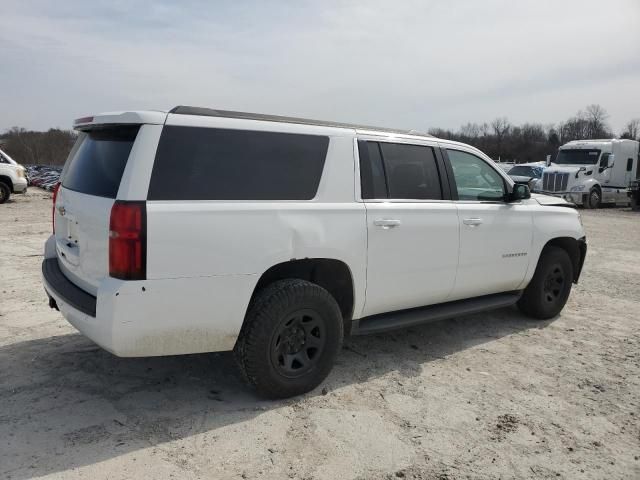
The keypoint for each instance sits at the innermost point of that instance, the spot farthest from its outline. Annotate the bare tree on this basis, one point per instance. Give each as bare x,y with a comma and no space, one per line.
501,128
596,118
632,130
471,130
31,148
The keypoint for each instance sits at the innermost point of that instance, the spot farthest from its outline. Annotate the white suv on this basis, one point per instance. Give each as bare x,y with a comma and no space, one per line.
203,230
13,178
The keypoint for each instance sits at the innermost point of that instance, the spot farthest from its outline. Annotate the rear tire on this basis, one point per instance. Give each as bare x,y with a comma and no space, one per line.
594,199
635,206
291,336
5,192
549,289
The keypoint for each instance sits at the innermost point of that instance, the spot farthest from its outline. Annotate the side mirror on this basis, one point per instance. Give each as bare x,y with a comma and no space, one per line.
520,192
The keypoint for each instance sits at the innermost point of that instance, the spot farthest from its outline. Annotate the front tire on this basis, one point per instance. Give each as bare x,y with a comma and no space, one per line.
5,192
594,199
549,289
291,336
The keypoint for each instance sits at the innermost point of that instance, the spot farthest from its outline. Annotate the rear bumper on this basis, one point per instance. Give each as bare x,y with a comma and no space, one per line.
153,317
59,287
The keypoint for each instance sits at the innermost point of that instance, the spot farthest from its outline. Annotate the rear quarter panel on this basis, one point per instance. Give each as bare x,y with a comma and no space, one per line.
209,255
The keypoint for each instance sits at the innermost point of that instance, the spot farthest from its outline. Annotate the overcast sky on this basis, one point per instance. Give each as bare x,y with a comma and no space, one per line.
404,64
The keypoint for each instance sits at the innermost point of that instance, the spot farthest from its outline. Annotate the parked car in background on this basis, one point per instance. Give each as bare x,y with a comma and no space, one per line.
527,173
505,166
200,230
593,172
43,176
13,178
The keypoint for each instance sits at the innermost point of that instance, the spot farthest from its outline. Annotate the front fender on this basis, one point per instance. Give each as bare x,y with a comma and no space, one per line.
549,223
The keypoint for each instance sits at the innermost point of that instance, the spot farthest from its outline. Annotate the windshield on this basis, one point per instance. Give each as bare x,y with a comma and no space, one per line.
577,157
523,171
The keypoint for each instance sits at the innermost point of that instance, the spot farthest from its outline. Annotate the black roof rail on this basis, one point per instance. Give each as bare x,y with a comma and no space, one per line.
210,112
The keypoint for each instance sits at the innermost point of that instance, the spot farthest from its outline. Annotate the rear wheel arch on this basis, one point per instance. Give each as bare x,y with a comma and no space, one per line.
333,275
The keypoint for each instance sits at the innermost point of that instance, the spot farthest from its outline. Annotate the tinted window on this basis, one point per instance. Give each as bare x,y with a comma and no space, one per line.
219,164
372,179
629,164
411,171
98,161
475,179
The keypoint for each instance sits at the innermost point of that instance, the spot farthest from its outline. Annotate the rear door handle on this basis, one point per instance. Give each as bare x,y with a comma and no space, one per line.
386,223
472,222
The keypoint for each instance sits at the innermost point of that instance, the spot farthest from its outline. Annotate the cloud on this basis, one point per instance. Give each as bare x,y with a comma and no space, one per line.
413,64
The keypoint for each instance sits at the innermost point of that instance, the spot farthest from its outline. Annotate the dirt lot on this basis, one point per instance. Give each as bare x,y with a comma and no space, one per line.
484,396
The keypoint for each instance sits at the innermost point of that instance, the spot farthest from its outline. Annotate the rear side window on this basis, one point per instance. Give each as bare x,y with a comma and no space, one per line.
98,160
398,171
219,164
372,181
411,171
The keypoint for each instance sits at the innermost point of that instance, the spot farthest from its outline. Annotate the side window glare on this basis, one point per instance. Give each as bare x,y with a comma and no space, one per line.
475,179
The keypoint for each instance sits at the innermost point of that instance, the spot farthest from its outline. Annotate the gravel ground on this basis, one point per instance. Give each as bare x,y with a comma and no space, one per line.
484,396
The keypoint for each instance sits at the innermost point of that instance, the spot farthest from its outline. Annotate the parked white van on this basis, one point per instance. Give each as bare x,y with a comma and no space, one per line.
593,172
203,230
13,178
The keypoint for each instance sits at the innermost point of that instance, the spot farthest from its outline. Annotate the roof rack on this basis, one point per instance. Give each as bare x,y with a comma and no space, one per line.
210,112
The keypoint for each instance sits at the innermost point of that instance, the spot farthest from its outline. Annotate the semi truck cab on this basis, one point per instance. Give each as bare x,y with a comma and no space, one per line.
593,172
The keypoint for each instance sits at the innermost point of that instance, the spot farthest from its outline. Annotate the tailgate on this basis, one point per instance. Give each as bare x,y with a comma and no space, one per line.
90,183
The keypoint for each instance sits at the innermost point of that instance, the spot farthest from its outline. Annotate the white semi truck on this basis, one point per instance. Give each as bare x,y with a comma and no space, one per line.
593,172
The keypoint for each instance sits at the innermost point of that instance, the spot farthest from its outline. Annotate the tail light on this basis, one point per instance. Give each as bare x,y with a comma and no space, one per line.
128,240
53,206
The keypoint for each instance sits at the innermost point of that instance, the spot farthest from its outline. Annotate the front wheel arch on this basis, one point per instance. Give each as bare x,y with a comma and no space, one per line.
575,248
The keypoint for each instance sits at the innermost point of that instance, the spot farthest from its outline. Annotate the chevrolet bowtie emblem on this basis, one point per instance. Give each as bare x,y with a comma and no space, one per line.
61,211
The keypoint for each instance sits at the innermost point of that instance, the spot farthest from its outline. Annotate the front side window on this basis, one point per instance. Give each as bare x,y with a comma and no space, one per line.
194,163
475,179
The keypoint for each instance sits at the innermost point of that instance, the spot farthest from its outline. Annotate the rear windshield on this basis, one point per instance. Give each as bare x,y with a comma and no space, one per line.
98,159
526,171
220,164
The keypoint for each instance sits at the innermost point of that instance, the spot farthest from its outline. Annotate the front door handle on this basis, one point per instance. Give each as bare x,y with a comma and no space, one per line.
386,223
472,222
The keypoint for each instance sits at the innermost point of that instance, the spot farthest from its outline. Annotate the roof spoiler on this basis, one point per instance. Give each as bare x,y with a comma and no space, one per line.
120,118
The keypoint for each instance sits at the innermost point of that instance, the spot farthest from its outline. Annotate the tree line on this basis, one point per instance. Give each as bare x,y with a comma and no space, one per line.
38,148
499,139
531,142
